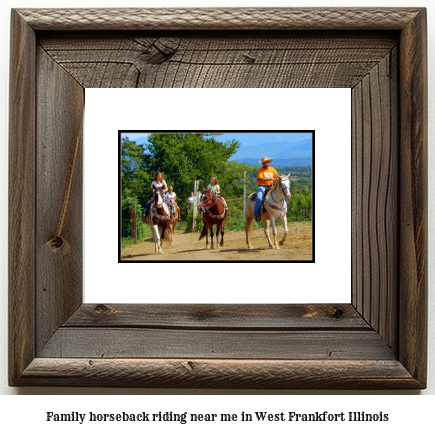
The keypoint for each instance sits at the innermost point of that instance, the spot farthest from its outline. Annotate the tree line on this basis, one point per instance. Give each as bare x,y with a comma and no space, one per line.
182,158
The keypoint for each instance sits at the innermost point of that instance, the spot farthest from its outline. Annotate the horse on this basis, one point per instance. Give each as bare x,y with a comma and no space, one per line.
214,213
160,217
276,208
173,222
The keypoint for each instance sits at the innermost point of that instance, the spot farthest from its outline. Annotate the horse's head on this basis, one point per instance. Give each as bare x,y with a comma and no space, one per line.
284,183
206,197
158,198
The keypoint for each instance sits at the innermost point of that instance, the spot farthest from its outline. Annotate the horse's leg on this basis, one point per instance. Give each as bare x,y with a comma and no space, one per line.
156,237
206,235
284,223
274,231
218,228
266,232
222,234
161,240
249,225
172,229
211,236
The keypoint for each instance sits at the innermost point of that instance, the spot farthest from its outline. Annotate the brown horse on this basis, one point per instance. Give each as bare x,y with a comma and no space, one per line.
214,214
175,219
160,218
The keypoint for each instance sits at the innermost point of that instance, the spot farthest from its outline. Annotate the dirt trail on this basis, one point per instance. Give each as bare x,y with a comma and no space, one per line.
186,247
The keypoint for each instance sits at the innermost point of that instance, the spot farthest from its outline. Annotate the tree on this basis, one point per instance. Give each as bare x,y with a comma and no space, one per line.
182,158
134,176
186,157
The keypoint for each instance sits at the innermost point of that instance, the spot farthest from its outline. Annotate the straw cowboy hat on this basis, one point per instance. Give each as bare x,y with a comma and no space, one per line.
265,160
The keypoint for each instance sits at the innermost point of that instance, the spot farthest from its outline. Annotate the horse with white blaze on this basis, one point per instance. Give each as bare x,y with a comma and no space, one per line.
275,208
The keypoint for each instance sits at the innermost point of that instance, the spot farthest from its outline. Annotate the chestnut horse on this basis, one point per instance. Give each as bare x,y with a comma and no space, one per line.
214,214
160,217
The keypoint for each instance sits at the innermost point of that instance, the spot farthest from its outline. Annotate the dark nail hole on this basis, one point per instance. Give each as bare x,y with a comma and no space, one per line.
338,313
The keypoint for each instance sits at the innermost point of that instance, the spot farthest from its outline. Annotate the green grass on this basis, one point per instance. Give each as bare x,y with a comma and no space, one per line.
127,242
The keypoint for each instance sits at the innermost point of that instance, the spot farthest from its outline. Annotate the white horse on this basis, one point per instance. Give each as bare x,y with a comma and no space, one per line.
160,217
276,208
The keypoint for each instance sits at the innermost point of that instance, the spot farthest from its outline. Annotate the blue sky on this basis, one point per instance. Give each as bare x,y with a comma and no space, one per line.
133,136
247,138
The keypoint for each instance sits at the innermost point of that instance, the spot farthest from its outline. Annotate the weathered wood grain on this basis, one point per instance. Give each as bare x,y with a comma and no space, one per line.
235,60
375,198
21,198
413,196
227,374
127,342
59,276
220,18
281,317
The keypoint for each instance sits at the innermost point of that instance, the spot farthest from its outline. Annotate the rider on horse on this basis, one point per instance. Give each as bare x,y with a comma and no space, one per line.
171,197
158,184
216,190
265,177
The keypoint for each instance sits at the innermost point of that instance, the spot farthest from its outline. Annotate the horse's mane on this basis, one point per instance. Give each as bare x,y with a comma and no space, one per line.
275,186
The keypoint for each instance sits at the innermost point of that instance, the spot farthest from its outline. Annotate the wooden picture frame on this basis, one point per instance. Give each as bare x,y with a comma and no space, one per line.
376,341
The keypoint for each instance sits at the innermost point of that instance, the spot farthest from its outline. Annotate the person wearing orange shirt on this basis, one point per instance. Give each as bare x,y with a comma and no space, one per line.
265,177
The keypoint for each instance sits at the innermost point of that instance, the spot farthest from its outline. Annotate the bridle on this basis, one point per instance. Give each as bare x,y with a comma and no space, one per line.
282,200
280,184
212,200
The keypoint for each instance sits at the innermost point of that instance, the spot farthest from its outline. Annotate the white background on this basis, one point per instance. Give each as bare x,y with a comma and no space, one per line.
327,111
410,412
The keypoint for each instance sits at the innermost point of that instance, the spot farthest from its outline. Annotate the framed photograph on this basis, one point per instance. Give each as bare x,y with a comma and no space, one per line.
375,341
209,183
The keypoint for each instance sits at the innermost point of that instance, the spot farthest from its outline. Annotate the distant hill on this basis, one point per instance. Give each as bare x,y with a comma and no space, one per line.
285,151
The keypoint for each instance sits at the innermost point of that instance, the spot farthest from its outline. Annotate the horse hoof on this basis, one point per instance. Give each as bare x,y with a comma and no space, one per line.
250,247
281,243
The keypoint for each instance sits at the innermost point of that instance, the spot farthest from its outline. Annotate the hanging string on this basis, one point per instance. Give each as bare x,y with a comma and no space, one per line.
59,244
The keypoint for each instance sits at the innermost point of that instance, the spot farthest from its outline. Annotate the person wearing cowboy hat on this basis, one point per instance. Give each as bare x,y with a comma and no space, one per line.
265,176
